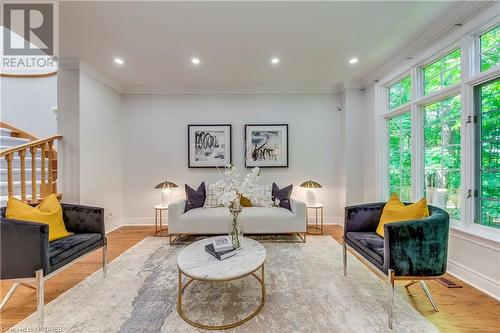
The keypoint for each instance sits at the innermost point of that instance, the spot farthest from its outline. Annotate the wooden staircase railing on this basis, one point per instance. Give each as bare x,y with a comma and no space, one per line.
45,149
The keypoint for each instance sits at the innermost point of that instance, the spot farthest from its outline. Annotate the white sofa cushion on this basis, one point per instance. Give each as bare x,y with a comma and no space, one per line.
255,220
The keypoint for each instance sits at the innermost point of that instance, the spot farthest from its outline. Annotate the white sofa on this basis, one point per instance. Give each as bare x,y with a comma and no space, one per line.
255,220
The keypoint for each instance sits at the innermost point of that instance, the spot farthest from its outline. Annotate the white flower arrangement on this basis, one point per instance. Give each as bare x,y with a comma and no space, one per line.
230,189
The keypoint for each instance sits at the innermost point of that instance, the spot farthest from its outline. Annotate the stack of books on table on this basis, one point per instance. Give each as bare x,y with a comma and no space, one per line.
221,248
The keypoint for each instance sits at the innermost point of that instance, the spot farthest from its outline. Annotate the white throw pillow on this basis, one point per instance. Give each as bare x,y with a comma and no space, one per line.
267,193
211,199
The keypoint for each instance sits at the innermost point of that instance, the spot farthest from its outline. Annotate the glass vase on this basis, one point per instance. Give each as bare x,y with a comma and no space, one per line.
235,228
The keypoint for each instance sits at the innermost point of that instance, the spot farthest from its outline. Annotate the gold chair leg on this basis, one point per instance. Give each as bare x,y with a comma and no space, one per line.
11,292
105,257
344,253
429,295
40,295
390,297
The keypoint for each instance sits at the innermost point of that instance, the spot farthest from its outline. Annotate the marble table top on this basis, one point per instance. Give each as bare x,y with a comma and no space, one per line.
197,263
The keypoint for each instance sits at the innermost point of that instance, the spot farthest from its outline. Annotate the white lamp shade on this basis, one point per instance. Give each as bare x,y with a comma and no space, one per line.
311,198
165,196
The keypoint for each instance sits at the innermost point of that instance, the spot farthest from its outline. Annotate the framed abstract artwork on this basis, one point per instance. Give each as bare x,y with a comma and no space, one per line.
209,146
266,146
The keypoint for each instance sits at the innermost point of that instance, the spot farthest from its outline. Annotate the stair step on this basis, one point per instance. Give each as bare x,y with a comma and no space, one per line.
9,141
16,161
5,131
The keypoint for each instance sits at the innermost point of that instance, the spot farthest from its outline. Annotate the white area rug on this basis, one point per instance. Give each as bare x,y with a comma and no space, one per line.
306,292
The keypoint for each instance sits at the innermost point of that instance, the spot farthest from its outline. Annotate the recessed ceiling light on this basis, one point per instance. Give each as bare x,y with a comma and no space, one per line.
195,61
275,60
119,61
353,60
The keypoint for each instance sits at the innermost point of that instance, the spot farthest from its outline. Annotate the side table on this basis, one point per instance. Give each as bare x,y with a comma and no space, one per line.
316,228
159,218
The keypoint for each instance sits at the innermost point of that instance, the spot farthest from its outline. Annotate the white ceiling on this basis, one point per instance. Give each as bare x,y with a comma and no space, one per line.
235,42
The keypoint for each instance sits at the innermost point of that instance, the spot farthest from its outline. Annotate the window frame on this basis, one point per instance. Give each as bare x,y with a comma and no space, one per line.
447,51
392,84
400,112
477,46
471,76
476,192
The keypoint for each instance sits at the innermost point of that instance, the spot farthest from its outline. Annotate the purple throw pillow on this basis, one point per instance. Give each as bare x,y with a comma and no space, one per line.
283,195
195,199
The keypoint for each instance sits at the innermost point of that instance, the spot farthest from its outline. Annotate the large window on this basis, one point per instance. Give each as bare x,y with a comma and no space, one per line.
400,93
489,45
400,156
443,139
442,73
488,154
442,154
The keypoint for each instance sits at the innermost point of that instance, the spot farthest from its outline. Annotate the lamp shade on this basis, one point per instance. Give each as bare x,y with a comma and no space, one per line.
310,184
166,185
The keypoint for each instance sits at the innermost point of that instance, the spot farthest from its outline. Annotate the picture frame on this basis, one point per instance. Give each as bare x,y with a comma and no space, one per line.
266,145
209,145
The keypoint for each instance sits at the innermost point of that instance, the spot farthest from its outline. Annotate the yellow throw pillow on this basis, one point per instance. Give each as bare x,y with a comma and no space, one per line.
245,202
49,211
396,211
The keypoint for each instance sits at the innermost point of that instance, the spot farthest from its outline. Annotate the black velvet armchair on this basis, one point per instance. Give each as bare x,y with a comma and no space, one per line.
411,250
26,252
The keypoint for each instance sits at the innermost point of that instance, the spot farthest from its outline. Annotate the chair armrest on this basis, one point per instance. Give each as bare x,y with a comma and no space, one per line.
176,209
417,248
363,218
24,248
83,219
298,208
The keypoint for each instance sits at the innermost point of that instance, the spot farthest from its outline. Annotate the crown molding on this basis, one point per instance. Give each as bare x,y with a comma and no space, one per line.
320,89
101,77
77,64
443,28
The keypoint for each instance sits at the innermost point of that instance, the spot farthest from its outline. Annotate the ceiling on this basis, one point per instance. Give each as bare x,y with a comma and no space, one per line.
236,40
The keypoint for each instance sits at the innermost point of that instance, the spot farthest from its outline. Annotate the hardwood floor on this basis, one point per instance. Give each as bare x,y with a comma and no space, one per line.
461,310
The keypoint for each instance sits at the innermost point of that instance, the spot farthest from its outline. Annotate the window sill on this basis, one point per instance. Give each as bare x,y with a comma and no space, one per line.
476,233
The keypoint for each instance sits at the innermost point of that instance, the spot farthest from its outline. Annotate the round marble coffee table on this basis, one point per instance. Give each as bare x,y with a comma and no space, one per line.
198,265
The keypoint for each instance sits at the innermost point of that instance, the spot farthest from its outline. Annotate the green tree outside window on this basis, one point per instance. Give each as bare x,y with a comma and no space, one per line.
442,154
490,48
442,73
400,93
400,156
488,154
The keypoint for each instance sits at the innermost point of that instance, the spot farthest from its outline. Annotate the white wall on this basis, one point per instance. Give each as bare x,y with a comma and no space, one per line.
355,125
91,121
370,147
26,104
101,147
68,123
156,144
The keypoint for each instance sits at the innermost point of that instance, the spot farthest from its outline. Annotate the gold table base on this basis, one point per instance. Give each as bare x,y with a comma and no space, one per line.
316,228
227,326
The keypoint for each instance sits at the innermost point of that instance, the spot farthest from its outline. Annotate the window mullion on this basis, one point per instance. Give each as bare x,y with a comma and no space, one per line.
417,173
470,66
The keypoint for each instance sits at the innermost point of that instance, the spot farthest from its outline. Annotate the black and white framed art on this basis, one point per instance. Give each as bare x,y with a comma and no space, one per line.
266,146
209,146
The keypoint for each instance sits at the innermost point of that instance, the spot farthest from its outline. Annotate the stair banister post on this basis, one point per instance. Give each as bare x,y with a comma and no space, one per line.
43,185
33,173
51,158
22,156
10,181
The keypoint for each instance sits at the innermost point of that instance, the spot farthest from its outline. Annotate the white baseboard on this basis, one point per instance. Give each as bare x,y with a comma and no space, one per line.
113,225
327,220
138,221
477,280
